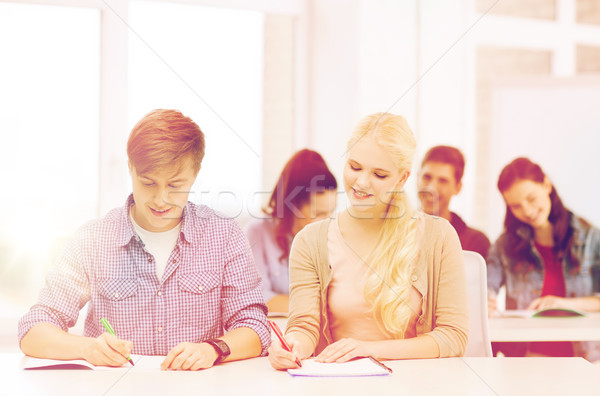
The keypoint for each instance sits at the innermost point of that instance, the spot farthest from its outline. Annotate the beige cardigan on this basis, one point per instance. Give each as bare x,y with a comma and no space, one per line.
439,276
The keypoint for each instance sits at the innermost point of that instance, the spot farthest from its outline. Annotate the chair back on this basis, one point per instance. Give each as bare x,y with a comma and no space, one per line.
479,340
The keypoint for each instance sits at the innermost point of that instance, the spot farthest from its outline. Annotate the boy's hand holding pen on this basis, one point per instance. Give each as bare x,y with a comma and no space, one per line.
111,331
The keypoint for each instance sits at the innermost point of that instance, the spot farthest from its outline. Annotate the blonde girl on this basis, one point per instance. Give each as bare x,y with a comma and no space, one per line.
380,280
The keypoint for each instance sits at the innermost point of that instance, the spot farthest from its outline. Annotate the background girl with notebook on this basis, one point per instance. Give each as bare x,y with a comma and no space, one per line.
547,257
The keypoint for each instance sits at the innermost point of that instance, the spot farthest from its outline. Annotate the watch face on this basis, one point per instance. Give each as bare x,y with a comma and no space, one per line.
221,347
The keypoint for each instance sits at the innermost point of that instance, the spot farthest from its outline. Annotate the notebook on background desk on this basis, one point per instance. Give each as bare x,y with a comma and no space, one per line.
543,313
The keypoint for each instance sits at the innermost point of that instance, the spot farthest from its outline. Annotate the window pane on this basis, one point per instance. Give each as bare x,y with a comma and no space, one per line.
206,62
588,11
49,90
539,9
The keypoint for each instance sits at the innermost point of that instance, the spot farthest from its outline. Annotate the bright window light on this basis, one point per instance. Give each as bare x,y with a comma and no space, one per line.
206,62
49,112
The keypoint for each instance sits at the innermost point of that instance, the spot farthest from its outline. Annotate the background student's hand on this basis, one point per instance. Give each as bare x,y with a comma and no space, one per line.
344,350
492,306
190,356
280,358
107,350
548,302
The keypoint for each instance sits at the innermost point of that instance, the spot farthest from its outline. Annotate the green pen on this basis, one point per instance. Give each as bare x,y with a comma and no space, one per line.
110,330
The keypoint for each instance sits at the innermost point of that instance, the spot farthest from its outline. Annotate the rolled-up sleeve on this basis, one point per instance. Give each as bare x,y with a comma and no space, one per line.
451,316
305,288
242,300
495,272
66,291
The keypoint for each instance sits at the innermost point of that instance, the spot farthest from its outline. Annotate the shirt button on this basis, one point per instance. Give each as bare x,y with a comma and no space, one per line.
159,329
200,287
159,293
414,278
117,295
150,260
421,320
174,261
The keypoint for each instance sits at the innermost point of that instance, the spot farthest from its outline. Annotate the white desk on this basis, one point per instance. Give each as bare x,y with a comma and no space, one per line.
519,329
466,376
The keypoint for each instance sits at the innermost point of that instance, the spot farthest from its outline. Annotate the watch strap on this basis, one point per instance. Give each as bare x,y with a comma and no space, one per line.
221,348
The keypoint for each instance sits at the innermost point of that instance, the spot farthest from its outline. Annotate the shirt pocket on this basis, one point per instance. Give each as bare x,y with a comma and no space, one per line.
119,304
201,298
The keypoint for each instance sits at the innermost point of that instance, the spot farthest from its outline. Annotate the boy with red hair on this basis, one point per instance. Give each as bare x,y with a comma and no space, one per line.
173,278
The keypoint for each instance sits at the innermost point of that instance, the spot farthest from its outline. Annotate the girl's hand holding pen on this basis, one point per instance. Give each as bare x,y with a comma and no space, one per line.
107,350
280,358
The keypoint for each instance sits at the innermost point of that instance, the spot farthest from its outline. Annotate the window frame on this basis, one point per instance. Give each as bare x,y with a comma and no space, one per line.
113,128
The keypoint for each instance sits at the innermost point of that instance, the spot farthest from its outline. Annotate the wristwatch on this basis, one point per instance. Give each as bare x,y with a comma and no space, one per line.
221,347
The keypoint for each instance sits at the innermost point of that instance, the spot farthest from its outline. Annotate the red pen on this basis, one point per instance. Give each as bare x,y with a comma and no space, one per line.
283,342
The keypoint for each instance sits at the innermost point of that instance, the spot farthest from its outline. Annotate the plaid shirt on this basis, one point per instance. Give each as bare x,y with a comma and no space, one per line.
524,278
210,285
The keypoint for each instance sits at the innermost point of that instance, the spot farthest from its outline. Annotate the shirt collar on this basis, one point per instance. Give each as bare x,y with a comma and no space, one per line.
193,222
127,231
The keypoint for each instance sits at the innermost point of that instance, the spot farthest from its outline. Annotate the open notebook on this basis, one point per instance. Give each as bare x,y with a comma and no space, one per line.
354,368
141,363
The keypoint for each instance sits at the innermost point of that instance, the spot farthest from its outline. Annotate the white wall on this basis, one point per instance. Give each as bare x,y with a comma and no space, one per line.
405,57
556,123
417,58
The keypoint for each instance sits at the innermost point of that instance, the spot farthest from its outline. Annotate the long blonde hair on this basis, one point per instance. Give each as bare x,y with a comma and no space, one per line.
388,285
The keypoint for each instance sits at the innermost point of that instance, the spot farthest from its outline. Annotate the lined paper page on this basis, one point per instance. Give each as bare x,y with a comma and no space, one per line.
354,368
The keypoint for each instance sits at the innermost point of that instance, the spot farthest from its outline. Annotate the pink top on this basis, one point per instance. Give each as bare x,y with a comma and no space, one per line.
349,313
554,277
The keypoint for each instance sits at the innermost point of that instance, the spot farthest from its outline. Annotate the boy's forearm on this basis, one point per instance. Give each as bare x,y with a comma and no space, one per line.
45,340
243,343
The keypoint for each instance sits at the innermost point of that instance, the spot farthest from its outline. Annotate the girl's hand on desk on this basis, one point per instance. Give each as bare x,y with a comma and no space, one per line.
107,350
548,302
190,356
344,350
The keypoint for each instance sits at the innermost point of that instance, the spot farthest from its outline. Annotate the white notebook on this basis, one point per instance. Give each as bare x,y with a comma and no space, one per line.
141,363
31,363
354,368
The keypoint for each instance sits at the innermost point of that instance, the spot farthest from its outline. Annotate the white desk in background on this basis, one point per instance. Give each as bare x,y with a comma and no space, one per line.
455,376
522,329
